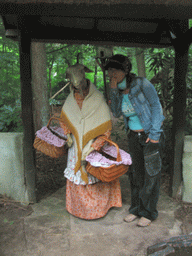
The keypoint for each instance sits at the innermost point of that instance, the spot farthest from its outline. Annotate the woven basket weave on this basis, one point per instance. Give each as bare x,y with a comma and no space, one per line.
49,141
108,174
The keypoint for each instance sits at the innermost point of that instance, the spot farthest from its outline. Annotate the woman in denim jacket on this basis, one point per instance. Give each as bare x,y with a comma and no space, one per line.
136,99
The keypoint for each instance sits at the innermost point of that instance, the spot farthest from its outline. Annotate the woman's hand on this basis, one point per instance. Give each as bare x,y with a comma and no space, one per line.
113,82
116,76
152,141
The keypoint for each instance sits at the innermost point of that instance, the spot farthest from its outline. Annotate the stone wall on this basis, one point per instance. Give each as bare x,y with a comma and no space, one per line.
187,169
12,176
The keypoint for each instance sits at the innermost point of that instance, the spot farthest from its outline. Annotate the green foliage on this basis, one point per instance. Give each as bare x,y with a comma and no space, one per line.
10,107
161,64
54,102
60,56
157,59
100,82
190,23
90,76
10,118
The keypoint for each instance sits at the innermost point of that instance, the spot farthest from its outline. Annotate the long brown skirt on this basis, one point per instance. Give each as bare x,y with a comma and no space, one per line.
92,201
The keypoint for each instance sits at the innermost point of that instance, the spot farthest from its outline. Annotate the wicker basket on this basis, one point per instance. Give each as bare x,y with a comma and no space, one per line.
108,174
51,140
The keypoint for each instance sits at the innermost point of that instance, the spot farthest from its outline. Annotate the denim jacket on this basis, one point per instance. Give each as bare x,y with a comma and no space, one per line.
145,101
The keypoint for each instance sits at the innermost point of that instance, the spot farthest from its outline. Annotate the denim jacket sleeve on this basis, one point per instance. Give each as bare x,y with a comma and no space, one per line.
156,109
116,100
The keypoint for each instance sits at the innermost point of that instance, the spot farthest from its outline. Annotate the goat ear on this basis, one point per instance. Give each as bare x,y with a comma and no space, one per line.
87,70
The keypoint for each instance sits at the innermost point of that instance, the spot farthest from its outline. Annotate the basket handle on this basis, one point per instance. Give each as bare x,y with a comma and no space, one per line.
59,119
53,117
114,144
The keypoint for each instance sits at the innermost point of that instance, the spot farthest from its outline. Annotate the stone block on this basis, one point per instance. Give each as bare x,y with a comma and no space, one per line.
188,143
187,170
12,177
178,243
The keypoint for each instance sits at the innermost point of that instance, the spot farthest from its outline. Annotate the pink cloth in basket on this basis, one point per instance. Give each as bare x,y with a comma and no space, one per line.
96,157
46,135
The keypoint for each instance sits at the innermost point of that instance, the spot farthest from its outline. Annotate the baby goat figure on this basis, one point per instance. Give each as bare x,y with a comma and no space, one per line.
76,75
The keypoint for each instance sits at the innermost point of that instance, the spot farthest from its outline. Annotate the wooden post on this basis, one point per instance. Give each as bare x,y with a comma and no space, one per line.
27,113
179,109
181,47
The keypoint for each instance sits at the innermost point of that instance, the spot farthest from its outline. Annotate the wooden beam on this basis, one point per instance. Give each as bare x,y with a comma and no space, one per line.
104,2
27,114
98,38
91,36
123,9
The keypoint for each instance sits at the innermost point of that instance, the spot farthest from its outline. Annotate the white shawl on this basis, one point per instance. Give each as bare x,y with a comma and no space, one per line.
93,120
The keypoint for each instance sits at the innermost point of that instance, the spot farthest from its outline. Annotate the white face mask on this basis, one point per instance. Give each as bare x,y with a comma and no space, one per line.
122,85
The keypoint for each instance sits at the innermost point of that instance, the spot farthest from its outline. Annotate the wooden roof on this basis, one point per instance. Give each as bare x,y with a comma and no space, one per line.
143,23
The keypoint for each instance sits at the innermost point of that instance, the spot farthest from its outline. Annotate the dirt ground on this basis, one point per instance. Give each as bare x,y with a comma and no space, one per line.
49,178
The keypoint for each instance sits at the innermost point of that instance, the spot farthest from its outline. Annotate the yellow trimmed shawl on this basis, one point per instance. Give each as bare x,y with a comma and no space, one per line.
93,120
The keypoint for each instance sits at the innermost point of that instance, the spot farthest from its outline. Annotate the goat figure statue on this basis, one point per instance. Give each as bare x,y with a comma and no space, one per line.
76,75
85,113
86,119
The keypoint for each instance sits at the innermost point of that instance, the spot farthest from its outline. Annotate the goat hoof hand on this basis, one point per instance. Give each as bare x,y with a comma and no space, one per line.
69,140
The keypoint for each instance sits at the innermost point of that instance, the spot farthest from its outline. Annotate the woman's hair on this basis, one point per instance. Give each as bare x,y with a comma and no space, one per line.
119,61
129,79
123,63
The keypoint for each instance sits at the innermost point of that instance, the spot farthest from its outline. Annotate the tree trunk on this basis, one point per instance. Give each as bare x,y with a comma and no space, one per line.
140,58
39,85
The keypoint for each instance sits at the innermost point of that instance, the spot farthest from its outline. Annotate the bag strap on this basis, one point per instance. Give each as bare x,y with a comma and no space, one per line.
114,144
